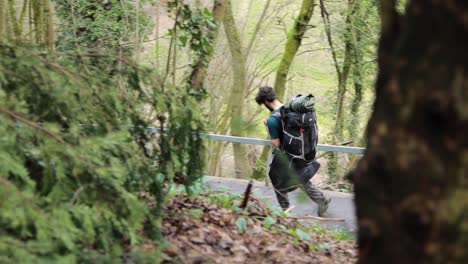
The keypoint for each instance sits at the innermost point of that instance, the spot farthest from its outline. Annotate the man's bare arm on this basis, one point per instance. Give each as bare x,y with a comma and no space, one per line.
274,142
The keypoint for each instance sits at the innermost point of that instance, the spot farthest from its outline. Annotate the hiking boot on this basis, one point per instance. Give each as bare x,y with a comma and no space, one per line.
323,206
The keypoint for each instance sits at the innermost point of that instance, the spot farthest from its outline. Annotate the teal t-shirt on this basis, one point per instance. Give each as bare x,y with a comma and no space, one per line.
274,126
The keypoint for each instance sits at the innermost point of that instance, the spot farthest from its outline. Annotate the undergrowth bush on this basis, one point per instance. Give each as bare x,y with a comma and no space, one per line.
74,153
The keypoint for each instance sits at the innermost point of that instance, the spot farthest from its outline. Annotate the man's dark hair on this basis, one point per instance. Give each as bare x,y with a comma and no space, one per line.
265,93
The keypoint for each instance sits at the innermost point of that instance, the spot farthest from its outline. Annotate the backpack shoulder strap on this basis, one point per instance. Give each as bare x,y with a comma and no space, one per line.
277,116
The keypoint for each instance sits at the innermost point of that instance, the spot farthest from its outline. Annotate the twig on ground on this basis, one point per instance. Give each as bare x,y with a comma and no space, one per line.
316,218
289,209
246,195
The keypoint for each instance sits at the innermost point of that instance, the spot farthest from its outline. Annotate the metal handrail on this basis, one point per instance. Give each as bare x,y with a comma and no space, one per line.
258,141
252,141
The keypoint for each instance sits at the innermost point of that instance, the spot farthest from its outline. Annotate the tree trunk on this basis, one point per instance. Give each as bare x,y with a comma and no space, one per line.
24,9
13,19
197,77
295,35
38,16
342,86
334,172
342,76
411,187
236,100
49,17
30,21
358,87
3,20
216,148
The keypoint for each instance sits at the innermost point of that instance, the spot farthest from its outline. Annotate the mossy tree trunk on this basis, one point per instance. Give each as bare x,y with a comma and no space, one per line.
38,18
342,73
198,75
49,22
3,20
236,99
21,21
295,36
41,26
411,187
12,18
358,85
340,100
216,148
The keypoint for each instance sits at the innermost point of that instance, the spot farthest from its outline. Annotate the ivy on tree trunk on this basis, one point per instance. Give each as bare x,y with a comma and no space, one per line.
198,74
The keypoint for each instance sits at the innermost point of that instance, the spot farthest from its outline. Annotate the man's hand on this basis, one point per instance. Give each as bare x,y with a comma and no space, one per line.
276,142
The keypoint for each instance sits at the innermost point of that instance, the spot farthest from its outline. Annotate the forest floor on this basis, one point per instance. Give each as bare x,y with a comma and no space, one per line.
211,228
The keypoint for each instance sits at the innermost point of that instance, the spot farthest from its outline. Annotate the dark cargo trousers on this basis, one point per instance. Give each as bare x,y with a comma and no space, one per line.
286,175
312,192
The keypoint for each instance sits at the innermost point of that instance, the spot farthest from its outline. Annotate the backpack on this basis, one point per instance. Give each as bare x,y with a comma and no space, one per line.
300,132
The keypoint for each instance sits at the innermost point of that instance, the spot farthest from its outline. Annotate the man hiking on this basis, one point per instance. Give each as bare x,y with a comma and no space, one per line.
289,171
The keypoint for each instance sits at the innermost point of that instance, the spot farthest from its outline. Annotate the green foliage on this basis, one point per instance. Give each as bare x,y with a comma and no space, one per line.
299,234
241,224
268,222
196,29
302,235
197,213
70,170
336,233
227,200
96,24
342,234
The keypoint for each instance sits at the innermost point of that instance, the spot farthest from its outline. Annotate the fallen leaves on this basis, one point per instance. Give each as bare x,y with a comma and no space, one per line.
219,235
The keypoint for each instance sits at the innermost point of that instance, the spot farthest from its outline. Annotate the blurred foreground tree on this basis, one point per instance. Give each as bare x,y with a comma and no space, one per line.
412,184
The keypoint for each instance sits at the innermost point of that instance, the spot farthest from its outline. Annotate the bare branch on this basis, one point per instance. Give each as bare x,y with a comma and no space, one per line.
317,218
75,196
32,124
